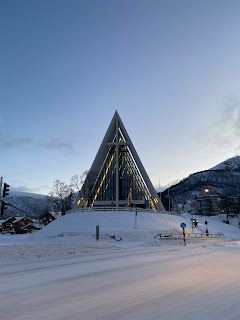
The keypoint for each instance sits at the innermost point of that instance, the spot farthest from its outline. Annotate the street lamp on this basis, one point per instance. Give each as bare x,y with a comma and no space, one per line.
207,191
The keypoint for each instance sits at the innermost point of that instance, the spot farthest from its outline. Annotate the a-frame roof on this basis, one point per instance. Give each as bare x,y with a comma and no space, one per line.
115,125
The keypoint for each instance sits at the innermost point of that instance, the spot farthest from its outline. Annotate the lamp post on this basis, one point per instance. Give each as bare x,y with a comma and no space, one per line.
207,191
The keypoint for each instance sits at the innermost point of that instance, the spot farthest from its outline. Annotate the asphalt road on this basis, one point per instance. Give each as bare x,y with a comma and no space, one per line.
152,283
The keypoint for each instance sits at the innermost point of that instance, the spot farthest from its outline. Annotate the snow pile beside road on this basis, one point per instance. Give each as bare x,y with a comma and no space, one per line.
30,252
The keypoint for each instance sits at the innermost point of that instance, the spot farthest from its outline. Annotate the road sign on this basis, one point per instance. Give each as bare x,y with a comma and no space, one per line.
183,225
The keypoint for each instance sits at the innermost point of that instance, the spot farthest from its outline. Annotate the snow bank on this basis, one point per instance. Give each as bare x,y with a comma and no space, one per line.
78,227
74,234
30,252
82,226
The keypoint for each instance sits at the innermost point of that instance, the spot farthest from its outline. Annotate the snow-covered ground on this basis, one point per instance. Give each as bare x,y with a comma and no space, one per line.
61,272
77,227
75,234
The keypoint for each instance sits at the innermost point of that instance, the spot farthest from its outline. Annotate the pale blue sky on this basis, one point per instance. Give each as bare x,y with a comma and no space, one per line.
171,68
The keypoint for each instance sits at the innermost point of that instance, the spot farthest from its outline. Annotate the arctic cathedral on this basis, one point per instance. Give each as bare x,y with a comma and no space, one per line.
117,177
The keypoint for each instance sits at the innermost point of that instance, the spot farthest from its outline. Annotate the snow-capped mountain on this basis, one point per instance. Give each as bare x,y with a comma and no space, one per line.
221,180
232,164
23,203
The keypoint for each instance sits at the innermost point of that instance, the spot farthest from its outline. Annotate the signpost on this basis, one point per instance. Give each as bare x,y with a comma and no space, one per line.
207,233
183,226
97,233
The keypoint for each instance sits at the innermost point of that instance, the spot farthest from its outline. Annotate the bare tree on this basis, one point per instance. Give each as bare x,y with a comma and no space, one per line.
61,196
77,181
83,184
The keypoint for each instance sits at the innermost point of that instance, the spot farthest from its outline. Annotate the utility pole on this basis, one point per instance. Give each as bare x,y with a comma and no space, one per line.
4,204
169,203
1,182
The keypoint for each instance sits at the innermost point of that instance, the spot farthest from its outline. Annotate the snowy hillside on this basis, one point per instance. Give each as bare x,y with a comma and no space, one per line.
232,164
222,180
23,203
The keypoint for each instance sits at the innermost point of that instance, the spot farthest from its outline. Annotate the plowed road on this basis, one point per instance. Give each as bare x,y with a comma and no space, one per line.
201,282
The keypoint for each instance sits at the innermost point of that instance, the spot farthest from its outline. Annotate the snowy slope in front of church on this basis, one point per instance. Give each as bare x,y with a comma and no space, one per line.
125,225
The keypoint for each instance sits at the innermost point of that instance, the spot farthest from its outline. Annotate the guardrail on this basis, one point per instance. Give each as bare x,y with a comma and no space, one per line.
189,235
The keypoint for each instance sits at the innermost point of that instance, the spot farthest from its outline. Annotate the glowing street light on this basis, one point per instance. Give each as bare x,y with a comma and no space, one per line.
207,192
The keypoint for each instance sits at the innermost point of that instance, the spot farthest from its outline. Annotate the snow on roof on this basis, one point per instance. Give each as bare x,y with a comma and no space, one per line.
54,214
9,218
30,225
20,218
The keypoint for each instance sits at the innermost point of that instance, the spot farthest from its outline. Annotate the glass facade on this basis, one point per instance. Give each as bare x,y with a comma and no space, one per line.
105,188
129,178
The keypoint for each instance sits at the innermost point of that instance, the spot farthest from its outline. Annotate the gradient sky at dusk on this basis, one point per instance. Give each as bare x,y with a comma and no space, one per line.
170,68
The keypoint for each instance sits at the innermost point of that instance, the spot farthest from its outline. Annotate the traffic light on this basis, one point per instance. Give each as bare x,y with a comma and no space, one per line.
6,190
4,206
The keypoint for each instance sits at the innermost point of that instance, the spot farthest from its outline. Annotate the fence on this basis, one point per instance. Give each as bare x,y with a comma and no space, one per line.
197,236
129,209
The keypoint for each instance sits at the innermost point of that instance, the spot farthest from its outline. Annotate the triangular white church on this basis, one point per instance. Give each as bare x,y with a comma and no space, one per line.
117,177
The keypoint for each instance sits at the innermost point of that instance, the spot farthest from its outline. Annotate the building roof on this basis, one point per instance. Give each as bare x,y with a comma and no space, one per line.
10,218
103,174
53,214
32,225
20,218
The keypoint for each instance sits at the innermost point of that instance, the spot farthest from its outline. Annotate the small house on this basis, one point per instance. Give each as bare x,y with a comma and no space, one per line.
7,225
46,218
30,227
20,223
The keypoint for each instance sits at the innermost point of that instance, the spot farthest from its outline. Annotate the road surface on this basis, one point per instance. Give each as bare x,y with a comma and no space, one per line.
198,282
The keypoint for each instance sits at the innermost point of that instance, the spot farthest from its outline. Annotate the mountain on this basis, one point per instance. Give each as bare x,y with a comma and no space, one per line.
221,180
23,203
